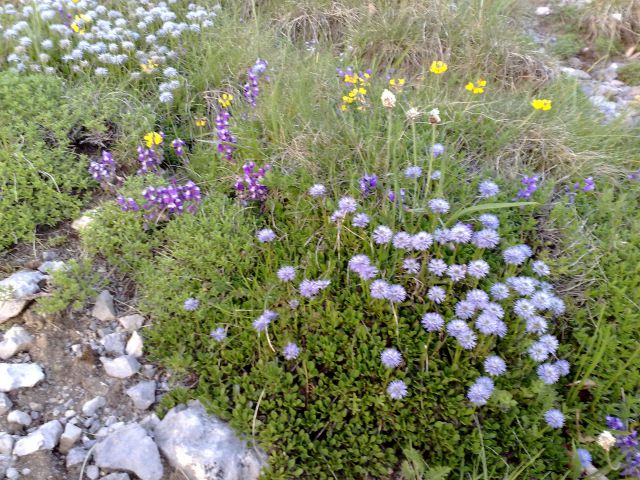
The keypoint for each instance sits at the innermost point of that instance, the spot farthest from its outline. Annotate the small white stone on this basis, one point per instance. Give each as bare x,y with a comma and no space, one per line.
44,438
113,343
15,340
6,443
76,456
19,375
52,266
103,308
26,471
543,11
135,345
12,474
92,406
5,403
143,394
70,436
92,472
19,417
16,291
121,367
131,322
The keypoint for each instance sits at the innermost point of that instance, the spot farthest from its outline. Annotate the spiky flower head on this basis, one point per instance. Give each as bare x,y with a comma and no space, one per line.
397,389
554,418
391,358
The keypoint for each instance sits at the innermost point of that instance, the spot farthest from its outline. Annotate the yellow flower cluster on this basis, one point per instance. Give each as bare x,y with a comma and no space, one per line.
541,104
152,139
397,84
438,67
354,78
81,21
225,100
477,87
148,67
201,122
356,94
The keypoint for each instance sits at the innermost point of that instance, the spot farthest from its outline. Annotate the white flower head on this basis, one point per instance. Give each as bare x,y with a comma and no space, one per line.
606,440
388,99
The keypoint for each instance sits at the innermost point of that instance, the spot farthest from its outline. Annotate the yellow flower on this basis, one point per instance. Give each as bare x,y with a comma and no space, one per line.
362,91
153,138
225,100
77,29
148,67
343,107
397,82
82,18
351,78
541,104
476,87
201,122
438,67
388,99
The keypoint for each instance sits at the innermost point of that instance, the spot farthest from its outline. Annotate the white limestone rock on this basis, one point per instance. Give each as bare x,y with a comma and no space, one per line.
15,340
19,375
16,291
121,367
103,308
44,438
135,345
143,394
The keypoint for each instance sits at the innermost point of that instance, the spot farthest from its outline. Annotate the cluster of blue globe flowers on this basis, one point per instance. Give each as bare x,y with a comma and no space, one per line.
467,301
102,38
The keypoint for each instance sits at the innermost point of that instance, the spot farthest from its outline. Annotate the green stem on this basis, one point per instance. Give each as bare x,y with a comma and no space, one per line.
430,169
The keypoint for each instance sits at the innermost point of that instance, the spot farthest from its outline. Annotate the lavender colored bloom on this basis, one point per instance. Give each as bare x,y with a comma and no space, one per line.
455,328
556,306
178,145
548,373
456,272
191,304
437,294
360,220
460,233
499,291
465,309
432,322
478,269
554,418
311,288
480,391
291,351
541,300
262,322
338,216
413,172
436,175
485,238
584,457
421,241
538,352
501,329
490,221
467,339
523,285
411,265
488,189
382,235
226,141
536,324
266,235
396,293
391,358
397,389
540,268
368,184
494,309
550,342
361,264
294,303
441,235
488,324
127,204
439,205
437,267
104,169
437,149
218,334
614,423
287,273
317,190
149,159
524,309
347,205
402,240
563,367
249,186
494,366
517,255
531,185
379,289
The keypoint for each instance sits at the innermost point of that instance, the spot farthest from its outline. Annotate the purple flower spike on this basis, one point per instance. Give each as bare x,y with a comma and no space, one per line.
531,185
177,145
104,169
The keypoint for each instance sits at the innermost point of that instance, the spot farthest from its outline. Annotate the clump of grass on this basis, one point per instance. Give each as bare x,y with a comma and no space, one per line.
630,73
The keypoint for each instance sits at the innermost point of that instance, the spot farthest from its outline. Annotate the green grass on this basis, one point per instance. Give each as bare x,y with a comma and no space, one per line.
327,416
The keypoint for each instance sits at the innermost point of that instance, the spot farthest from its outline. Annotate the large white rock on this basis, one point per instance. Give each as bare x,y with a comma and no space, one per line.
15,292
117,476
143,394
6,444
19,375
19,417
203,447
130,449
121,367
103,308
44,438
15,340
135,345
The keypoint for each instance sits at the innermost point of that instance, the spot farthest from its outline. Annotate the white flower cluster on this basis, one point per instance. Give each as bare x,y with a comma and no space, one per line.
100,37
